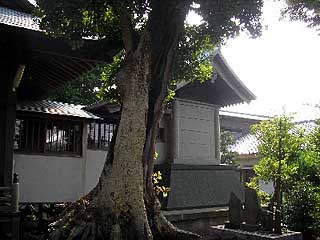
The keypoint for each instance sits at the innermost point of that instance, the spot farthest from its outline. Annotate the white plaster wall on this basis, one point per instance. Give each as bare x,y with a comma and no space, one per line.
58,179
46,178
94,164
194,133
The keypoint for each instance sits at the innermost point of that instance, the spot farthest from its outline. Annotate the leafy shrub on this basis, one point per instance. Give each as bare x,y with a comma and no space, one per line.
227,155
264,197
302,208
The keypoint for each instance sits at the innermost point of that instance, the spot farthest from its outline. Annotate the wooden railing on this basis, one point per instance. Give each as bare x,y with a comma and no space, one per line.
9,209
9,198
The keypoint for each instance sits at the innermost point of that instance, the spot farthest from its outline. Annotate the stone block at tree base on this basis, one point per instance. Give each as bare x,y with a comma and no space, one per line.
248,227
221,233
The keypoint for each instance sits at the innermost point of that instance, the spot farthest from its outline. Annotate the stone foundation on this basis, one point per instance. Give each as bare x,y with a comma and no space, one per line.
221,233
197,220
199,186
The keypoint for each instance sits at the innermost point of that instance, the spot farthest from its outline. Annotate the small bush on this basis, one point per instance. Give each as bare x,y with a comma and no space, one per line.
302,208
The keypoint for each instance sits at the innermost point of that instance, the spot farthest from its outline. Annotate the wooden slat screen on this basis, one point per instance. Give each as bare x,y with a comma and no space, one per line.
48,136
100,135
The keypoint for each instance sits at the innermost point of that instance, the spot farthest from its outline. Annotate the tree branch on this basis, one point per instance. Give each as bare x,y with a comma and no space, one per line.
127,32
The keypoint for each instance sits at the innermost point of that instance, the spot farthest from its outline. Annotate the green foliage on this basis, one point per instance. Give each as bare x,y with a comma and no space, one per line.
156,179
298,149
263,196
170,95
97,85
75,19
226,141
108,89
81,91
193,56
228,18
302,208
280,141
303,10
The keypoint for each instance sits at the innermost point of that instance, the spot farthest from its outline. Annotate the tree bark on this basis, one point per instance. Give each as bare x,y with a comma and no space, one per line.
123,205
278,186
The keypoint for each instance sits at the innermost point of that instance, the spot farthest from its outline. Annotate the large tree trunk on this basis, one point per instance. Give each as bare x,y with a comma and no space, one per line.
124,205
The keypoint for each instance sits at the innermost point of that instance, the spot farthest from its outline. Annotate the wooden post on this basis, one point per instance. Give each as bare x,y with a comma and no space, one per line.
278,186
176,133
15,194
7,126
8,67
217,135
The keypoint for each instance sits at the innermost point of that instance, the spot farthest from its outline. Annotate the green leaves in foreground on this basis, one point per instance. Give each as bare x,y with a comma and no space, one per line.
193,56
279,141
156,179
297,148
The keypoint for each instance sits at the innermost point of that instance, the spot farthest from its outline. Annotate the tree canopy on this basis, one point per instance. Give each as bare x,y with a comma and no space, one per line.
102,20
303,10
157,48
295,148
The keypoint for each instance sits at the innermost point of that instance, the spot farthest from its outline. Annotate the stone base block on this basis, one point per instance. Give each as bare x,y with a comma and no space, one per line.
221,233
248,227
232,226
196,186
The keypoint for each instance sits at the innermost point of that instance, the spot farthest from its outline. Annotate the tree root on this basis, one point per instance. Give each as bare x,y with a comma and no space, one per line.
75,222
161,227
80,221
169,231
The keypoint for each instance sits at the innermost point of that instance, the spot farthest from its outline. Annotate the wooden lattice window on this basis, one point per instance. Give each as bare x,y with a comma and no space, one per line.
60,137
100,135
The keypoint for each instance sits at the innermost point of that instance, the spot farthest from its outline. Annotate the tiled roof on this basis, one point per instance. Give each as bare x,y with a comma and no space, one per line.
224,89
248,144
56,108
18,19
242,115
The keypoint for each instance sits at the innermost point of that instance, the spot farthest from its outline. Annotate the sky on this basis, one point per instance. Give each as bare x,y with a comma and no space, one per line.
281,67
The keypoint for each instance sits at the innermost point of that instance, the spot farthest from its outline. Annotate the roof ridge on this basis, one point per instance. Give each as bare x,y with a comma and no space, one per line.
249,114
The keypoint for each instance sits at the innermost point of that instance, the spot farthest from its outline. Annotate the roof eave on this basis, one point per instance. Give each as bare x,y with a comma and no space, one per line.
226,73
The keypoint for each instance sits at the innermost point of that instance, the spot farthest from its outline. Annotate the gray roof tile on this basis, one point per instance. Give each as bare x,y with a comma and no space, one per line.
243,115
56,108
248,144
18,19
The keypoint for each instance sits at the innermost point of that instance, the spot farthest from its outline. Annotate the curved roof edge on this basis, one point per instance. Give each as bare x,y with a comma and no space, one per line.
56,108
224,70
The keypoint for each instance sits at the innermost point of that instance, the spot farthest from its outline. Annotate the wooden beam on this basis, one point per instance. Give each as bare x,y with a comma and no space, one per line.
78,64
7,121
63,68
66,63
53,71
48,74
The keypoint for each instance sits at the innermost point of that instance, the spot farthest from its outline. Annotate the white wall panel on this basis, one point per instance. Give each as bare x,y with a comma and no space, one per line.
194,133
